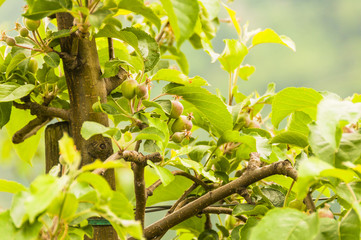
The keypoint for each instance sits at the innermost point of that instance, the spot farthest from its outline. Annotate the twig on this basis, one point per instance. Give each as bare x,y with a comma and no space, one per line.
184,195
156,184
110,48
222,210
161,33
309,203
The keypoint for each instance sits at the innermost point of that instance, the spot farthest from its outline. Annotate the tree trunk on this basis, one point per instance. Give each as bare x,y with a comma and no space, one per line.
85,86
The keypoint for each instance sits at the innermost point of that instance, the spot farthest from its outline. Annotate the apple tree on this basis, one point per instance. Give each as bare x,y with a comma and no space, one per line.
84,69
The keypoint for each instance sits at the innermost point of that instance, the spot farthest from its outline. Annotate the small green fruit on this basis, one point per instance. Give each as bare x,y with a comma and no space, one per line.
297,204
128,88
24,32
182,123
31,25
33,65
177,109
325,212
178,137
10,41
142,91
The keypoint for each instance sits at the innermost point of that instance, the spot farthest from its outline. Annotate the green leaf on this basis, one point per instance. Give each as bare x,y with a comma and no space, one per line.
164,174
67,150
12,91
138,7
5,112
97,182
348,150
52,59
97,18
291,224
350,227
10,232
212,7
328,230
182,15
170,192
208,104
164,105
148,47
14,63
246,71
39,9
180,58
232,55
292,138
308,172
121,206
293,99
151,133
193,224
126,36
246,230
27,149
270,36
229,136
233,17
172,75
44,189
11,186
18,211
249,209
90,129
298,122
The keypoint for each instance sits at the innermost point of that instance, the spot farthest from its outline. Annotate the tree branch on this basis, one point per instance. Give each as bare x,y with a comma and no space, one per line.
113,82
184,195
29,129
140,192
43,111
196,206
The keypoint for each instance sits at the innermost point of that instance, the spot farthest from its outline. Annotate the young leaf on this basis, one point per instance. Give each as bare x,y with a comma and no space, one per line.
52,59
208,104
10,186
148,47
90,129
164,174
172,75
270,36
39,9
5,112
44,189
291,224
14,63
293,99
182,15
232,55
292,138
233,17
12,91
246,71
138,7
97,182
27,149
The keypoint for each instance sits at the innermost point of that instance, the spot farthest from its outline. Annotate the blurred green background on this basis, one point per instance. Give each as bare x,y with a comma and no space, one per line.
327,34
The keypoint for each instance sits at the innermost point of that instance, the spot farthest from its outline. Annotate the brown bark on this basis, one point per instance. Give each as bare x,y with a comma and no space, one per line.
85,85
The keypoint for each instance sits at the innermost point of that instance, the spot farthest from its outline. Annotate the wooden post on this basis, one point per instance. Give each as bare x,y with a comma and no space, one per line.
53,133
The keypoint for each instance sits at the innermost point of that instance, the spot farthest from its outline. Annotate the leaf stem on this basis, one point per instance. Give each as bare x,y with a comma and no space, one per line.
288,194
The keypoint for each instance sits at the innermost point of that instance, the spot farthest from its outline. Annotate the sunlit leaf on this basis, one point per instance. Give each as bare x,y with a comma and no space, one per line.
270,36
